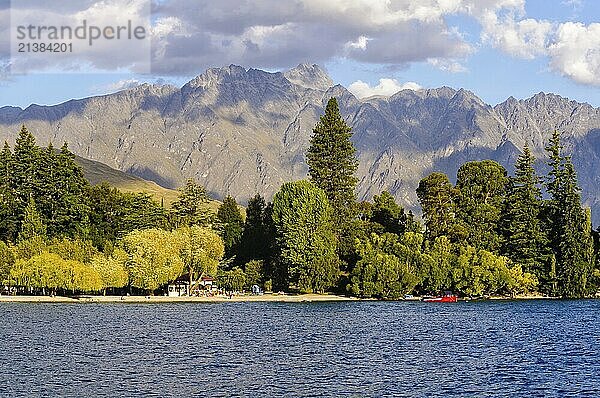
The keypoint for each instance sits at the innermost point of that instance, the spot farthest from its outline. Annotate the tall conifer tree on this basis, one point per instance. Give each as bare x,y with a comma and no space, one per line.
232,223
8,219
523,239
570,228
332,164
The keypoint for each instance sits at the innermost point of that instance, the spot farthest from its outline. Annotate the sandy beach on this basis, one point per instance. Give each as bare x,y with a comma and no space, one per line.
288,298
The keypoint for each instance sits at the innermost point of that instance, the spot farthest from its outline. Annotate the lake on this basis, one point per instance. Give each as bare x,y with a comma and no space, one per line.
358,349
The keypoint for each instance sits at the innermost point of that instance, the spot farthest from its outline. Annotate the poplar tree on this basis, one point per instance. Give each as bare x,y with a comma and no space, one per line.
305,242
332,163
524,242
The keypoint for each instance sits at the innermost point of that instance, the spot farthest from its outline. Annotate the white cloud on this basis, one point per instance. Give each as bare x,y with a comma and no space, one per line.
447,65
576,52
360,43
386,87
123,85
526,38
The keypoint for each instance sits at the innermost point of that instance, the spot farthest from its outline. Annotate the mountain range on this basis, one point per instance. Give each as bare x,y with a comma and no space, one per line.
240,131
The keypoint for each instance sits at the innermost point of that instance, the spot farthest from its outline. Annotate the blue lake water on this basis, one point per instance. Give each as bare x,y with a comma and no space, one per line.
358,349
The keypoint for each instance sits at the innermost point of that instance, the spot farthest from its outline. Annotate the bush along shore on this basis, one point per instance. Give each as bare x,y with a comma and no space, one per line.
490,234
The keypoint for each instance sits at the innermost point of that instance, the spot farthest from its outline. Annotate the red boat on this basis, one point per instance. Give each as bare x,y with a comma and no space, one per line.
447,297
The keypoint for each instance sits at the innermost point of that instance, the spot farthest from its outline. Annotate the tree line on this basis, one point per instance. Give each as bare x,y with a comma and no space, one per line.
490,233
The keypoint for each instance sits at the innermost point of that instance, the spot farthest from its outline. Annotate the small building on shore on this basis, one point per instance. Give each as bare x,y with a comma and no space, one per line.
181,286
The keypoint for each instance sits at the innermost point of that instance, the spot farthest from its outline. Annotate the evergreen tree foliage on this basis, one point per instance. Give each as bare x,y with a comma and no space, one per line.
481,187
305,240
26,169
257,238
143,212
332,163
108,208
576,246
436,196
523,241
9,220
232,223
191,208
32,225
391,216
569,225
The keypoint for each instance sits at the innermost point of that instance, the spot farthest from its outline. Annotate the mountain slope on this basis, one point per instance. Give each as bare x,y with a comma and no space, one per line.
97,173
240,131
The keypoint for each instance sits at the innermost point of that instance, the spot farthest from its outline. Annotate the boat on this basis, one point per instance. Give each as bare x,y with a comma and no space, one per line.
447,297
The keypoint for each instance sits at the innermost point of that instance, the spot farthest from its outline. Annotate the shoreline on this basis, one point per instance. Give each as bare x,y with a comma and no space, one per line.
274,298
292,298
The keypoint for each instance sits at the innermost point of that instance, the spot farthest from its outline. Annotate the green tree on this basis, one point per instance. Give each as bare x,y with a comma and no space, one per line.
191,206
255,272
257,238
437,198
142,212
482,186
379,273
32,224
7,260
305,240
9,222
69,215
111,269
332,164
569,225
436,274
153,258
391,216
233,280
201,249
524,241
26,168
231,220
108,209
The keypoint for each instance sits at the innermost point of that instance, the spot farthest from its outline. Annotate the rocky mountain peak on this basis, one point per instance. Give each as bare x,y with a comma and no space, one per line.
213,76
309,76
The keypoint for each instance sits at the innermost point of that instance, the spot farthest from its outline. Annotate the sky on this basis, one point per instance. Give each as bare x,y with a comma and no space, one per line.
494,48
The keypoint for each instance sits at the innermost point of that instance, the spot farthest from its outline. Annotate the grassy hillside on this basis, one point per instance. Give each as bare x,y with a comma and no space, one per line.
96,173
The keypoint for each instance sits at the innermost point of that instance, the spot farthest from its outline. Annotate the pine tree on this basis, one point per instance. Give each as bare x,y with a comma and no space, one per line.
576,245
232,223
191,208
569,225
72,213
332,163
26,168
257,239
32,225
523,239
8,218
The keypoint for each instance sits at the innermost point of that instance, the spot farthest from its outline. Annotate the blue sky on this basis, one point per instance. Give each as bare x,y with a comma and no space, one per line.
495,49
